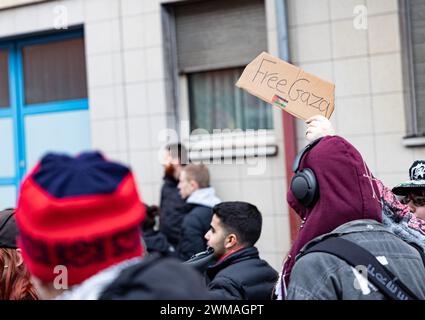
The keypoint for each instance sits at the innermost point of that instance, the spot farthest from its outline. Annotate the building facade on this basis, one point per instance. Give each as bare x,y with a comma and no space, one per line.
127,76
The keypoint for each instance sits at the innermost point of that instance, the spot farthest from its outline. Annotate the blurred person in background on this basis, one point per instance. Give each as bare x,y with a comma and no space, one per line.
171,204
14,277
194,187
155,241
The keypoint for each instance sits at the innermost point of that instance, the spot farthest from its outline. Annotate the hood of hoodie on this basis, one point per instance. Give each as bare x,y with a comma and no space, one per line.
347,192
204,197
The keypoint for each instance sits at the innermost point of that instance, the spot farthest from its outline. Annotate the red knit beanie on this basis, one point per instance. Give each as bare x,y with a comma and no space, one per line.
82,213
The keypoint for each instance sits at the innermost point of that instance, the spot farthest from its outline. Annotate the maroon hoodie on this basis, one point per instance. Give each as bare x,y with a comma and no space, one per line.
347,192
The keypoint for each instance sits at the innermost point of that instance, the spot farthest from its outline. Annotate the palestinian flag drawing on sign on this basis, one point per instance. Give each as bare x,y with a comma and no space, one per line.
281,102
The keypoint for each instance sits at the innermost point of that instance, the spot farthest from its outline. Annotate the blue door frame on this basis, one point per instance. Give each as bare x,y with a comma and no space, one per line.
18,110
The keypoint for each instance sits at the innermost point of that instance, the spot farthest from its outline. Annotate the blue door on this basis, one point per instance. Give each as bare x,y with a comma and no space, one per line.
43,104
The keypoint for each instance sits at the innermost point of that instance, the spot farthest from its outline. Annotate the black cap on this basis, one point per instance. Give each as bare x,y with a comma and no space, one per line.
8,229
416,182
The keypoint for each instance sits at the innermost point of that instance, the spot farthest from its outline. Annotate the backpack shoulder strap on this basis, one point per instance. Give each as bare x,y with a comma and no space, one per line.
356,255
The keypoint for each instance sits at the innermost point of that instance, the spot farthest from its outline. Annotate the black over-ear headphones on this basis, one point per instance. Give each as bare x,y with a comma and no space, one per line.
304,184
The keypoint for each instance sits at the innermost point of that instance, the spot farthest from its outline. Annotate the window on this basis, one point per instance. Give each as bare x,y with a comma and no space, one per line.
43,103
4,79
413,25
215,102
214,41
54,71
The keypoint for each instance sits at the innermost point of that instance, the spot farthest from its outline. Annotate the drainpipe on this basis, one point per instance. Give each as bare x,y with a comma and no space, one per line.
289,133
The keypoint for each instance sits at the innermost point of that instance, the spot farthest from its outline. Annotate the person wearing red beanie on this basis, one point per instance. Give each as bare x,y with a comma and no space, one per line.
79,221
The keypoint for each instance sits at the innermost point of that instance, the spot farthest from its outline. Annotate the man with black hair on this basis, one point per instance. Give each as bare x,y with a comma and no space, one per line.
239,273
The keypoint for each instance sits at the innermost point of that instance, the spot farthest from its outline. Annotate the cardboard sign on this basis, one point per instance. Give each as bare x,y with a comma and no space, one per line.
288,87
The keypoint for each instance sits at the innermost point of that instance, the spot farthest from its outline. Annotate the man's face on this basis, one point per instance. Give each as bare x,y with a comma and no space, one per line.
186,187
216,237
416,203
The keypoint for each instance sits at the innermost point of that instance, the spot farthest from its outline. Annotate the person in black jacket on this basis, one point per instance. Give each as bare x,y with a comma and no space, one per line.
155,241
171,204
239,273
200,198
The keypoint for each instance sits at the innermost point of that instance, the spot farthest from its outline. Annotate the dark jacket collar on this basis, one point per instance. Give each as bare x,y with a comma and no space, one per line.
238,256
